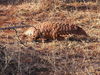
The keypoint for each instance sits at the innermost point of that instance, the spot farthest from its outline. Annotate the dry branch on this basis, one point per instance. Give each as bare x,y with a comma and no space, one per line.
15,27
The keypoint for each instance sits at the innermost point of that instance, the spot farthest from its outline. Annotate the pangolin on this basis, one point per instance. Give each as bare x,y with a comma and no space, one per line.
52,30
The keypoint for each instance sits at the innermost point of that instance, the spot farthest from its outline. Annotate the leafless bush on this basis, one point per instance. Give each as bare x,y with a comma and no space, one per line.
16,1
36,1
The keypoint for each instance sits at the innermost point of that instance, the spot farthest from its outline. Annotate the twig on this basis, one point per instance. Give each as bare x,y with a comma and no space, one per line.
15,27
19,38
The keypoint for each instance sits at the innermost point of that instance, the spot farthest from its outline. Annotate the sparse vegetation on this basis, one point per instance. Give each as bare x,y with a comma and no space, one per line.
72,56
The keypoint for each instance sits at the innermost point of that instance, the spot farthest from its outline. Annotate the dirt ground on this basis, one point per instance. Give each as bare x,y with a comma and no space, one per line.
72,56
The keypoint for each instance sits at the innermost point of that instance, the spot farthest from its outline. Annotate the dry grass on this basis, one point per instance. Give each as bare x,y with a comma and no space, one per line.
73,56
